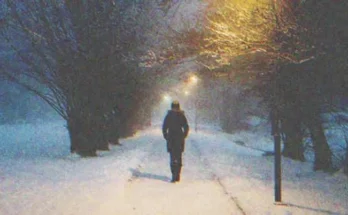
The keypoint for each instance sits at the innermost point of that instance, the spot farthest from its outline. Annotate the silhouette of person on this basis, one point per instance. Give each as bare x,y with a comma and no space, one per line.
175,129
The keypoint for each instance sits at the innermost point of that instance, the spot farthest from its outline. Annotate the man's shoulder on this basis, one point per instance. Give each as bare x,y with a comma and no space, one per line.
176,112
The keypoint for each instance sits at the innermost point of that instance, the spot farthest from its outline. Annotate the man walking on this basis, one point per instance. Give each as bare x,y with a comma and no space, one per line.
175,129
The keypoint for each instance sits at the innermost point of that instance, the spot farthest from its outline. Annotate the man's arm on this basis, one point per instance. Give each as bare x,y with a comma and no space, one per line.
165,127
185,126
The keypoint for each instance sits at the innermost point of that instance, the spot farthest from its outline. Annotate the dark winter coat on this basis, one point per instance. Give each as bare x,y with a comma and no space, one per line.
175,129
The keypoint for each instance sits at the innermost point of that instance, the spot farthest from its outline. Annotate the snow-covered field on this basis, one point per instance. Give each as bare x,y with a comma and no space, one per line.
39,176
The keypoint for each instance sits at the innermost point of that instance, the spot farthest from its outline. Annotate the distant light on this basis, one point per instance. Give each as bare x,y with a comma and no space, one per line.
194,79
187,93
166,98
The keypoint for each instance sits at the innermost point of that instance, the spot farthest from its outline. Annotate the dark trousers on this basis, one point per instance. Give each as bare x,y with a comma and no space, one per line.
176,158
175,163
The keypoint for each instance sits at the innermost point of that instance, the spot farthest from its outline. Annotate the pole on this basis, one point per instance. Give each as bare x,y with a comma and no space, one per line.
196,119
277,169
277,155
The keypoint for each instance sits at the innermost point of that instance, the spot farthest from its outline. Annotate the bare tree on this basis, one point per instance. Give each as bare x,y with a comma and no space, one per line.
82,58
260,42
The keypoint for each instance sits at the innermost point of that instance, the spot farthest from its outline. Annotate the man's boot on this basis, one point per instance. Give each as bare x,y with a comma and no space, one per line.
178,170
173,169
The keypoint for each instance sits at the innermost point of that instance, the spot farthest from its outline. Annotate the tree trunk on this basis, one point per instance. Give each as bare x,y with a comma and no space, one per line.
113,129
293,147
99,134
225,113
291,122
72,134
81,139
101,141
126,129
346,163
321,147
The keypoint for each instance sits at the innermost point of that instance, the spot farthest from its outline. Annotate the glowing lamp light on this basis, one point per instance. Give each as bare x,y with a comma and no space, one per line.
166,98
194,79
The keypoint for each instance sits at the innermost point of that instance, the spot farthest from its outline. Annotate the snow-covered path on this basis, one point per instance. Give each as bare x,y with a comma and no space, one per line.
218,177
149,190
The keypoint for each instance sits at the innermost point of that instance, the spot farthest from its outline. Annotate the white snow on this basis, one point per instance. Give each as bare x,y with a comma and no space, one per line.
39,176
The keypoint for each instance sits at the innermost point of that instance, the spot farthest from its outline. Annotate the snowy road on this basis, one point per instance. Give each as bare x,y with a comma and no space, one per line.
218,177
199,192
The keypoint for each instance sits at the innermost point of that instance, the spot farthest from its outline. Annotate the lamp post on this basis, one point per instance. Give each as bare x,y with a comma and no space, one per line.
277,154
196,118
194,81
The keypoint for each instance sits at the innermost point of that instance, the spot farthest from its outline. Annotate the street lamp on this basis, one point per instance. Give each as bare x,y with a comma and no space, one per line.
166,97
194,79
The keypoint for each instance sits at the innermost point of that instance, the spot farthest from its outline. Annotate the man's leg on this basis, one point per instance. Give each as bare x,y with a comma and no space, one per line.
178,166
175,164
172,166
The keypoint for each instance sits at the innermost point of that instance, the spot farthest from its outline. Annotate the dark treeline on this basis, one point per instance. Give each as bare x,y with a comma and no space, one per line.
82,58
291,53
304,91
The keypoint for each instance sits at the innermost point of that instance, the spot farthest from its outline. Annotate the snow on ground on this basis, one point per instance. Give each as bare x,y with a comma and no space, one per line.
248,177
39,176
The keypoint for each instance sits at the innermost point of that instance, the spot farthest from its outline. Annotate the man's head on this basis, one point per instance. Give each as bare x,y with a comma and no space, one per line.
175,105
